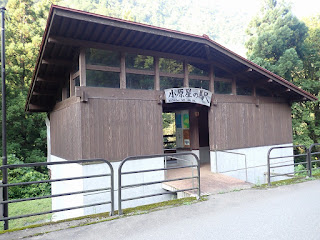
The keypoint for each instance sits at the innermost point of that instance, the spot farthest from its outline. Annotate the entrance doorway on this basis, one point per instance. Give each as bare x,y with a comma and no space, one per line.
185,128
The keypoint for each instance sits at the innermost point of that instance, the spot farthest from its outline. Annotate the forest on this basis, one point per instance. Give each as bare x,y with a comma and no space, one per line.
275,39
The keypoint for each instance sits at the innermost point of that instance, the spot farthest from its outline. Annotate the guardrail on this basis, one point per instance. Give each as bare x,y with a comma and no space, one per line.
150,157
4,202
290,162
311,161
234,170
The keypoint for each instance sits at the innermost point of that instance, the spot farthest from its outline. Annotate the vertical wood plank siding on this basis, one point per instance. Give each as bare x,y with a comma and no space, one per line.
113,129
65,130
239,124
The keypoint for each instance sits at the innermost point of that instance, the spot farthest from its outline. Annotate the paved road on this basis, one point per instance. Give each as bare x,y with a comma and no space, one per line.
287,212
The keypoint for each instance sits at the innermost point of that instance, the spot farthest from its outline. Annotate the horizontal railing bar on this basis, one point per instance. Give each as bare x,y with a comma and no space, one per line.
54,180
313,161
54,211
273,163
298,155
155,182
55,195
290,146
242,154
52,163
159,169
314,153
158,194
289,173
286,165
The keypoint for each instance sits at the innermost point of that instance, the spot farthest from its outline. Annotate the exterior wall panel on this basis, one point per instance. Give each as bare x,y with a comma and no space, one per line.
118,126
65,130
242,123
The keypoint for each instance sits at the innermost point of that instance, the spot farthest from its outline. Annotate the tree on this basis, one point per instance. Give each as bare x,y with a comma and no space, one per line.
276,39
282,43
25,23
306,116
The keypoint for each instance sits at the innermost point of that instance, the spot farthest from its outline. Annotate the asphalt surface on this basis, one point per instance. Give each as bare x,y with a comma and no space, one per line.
287,212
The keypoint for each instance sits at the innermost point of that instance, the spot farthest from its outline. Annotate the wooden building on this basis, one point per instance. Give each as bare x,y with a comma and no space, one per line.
102,80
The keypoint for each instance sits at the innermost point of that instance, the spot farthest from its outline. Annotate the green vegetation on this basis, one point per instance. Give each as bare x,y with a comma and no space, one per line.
280,42
277,40
29,207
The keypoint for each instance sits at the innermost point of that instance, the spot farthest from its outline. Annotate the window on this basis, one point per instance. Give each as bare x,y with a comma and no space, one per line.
170,82
77,81
198,69
244,90
263,92
68,89
138,81
194,83
222,87
102,57
170,66
135,61
103,79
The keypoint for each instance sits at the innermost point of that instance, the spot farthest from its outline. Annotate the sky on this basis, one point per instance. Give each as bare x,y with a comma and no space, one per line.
301,8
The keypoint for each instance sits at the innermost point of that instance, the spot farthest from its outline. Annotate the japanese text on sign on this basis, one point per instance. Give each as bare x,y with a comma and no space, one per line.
192,95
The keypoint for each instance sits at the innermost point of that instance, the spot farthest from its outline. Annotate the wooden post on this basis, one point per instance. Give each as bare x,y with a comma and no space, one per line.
234,87
123,82
186,74
156,73
82,67
211,77
64,93
72,86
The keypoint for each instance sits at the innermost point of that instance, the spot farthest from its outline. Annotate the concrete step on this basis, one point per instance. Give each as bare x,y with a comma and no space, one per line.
183,194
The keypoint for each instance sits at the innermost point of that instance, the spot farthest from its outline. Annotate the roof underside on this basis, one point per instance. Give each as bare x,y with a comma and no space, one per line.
68,30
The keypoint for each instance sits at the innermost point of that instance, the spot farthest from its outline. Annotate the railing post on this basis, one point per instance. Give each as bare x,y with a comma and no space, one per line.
119,187
1,199
309,162
269,174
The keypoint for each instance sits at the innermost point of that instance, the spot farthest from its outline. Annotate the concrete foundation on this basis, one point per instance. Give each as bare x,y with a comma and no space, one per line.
250,164
74,170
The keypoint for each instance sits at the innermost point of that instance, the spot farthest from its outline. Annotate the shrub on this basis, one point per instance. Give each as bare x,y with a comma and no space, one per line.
26,174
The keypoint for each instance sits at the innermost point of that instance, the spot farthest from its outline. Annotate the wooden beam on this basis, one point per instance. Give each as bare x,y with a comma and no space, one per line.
242,72
58,62
46,93
190,46
156,73
37,108
123,82
88,44
234,86
72,85
207,50
48,80
211,77
186,74
82,67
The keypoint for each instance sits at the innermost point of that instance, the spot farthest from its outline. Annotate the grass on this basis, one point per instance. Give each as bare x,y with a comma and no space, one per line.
28,207
294,180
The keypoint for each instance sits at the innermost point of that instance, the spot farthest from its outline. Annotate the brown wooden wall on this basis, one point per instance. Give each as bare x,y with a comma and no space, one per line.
117,123
65,129
241,122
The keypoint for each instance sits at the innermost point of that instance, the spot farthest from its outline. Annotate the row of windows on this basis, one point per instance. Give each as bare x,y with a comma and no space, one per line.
110,79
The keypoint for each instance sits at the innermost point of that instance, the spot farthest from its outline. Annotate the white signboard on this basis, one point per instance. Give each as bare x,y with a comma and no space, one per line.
192,95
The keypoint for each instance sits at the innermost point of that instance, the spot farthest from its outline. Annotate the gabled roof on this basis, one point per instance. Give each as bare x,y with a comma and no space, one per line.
68,30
